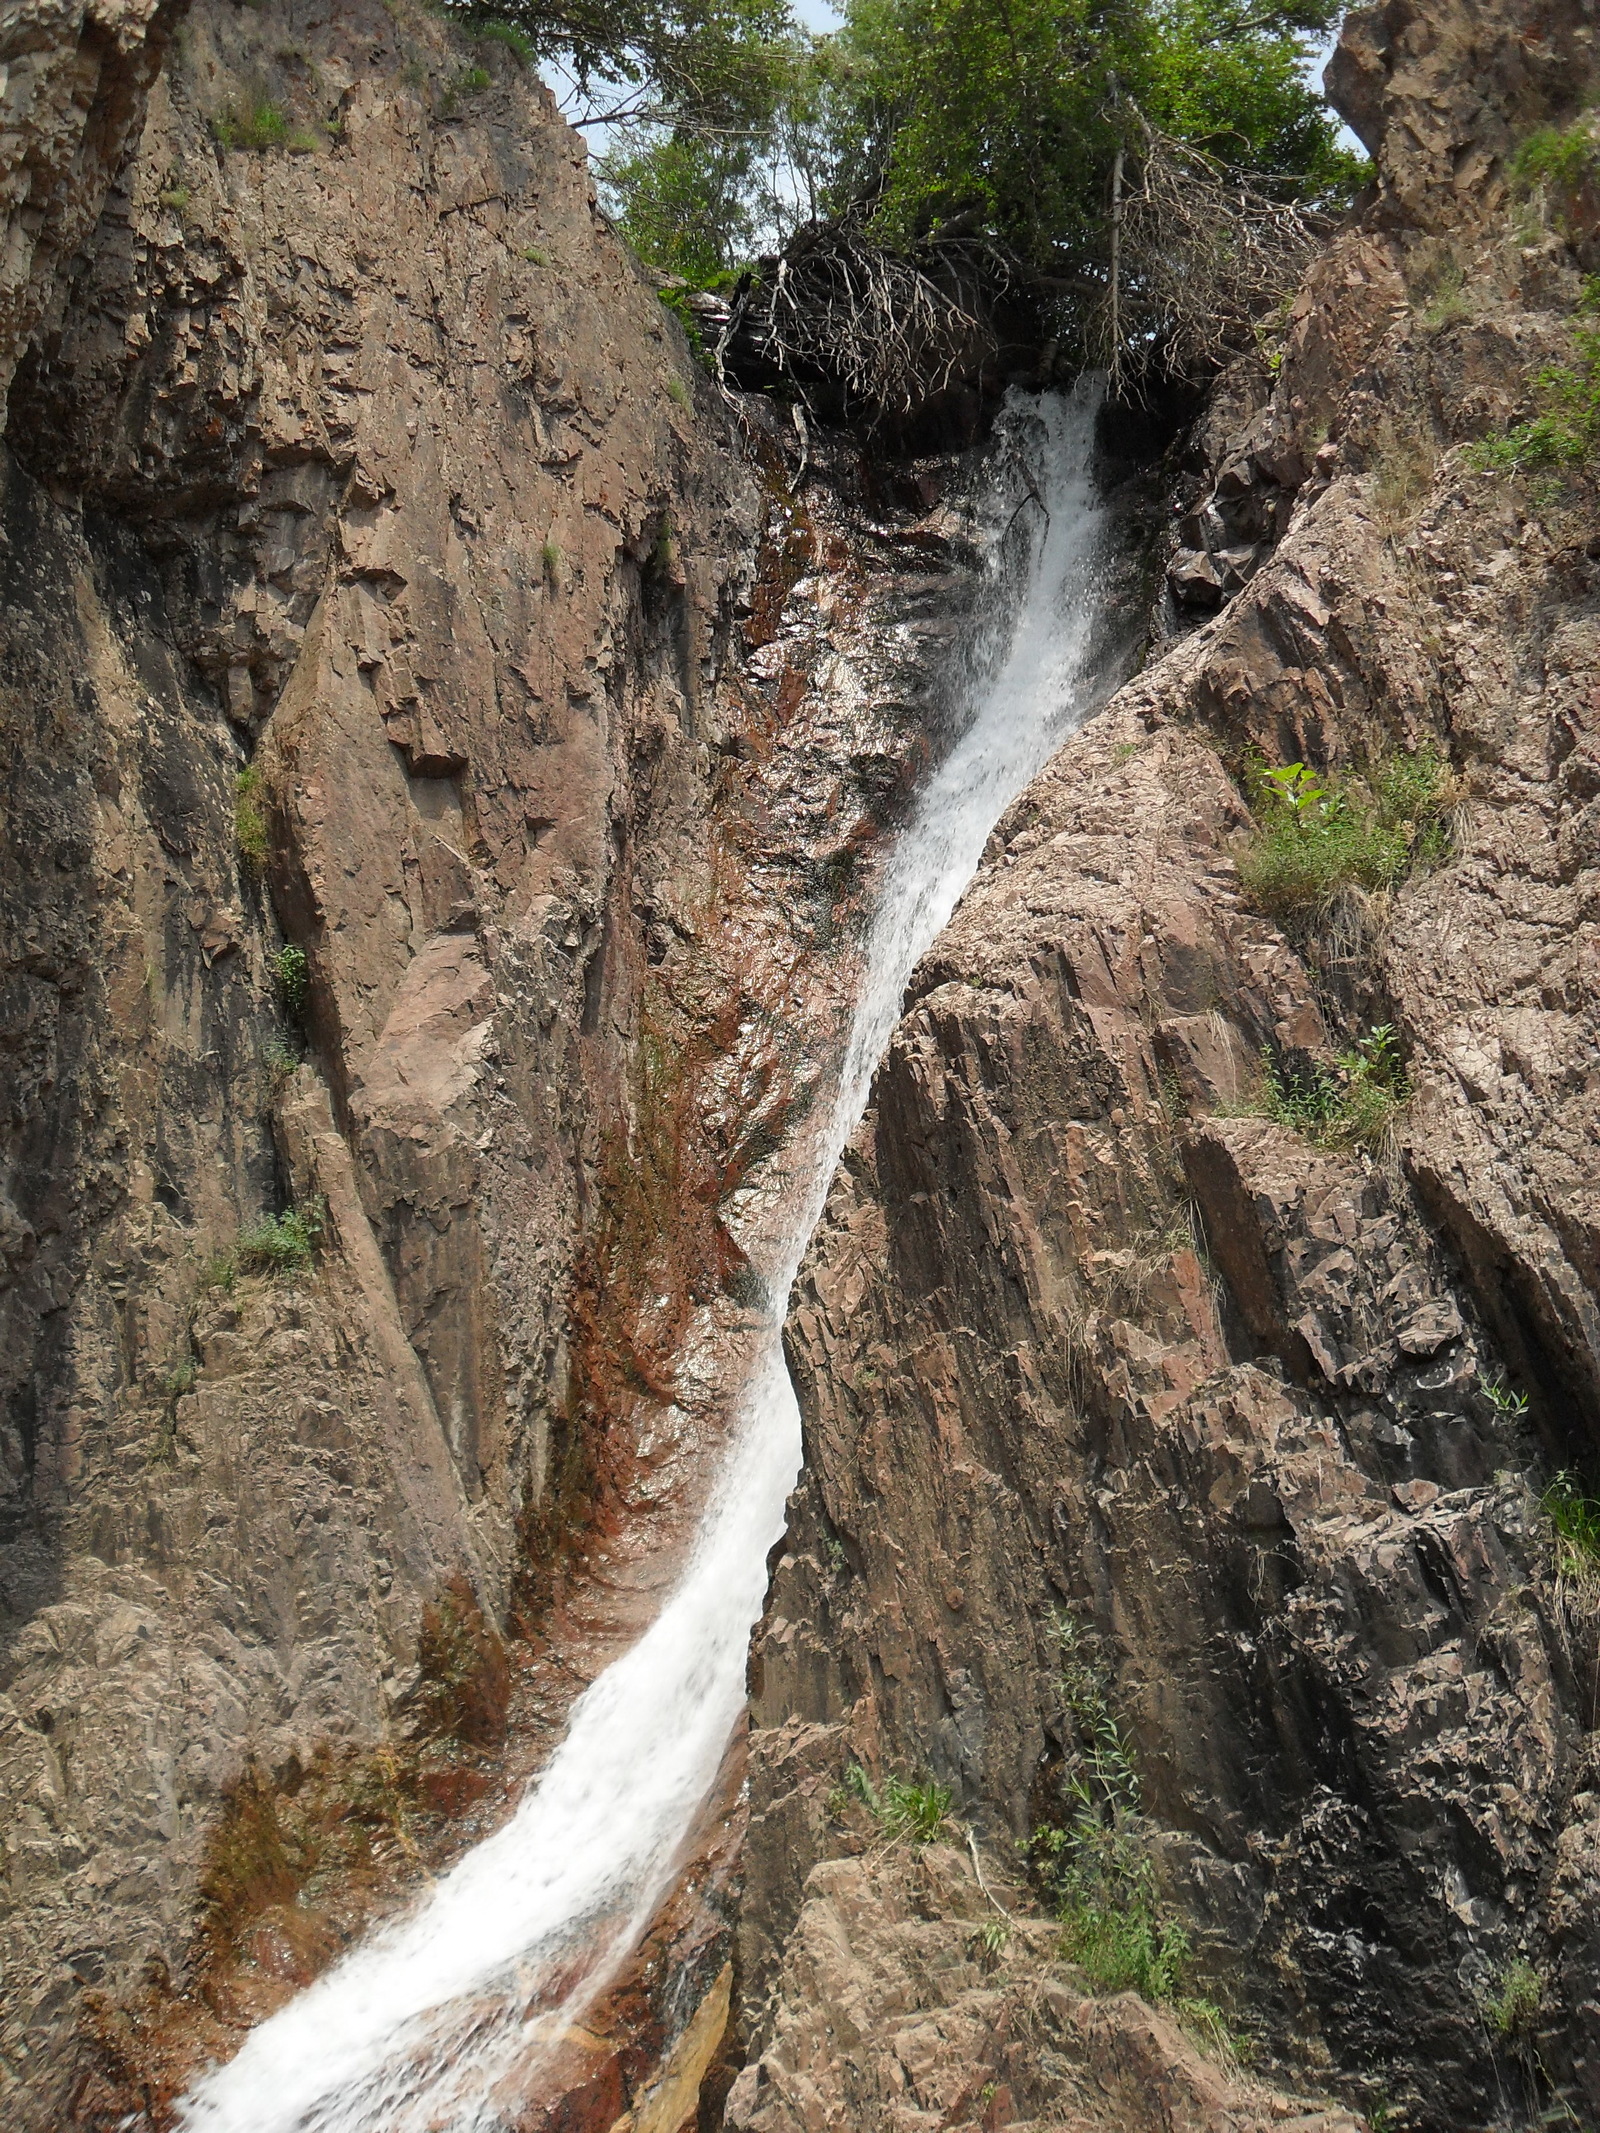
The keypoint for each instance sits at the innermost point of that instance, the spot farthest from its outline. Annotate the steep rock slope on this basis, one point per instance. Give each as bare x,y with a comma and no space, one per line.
437,754
1081,1337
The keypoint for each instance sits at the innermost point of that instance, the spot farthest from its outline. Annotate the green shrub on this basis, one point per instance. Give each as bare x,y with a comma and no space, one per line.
249,823
257,124
1352,1103
176,197
536,255
1317,835
291,974
1574,1516
1512,2008
280,1244
467,81
1556,155
677,391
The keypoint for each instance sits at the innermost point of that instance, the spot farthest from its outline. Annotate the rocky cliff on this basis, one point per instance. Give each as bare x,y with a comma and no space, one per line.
1110,1376
438,751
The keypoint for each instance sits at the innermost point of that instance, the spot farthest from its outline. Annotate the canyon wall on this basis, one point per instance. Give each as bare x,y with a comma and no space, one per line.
1084,1338
438,753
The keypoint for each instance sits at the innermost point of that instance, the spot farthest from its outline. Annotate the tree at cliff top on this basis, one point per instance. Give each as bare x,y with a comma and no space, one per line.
1147,170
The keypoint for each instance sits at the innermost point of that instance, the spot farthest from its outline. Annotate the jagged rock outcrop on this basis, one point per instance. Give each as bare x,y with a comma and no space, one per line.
1080,1335
438,750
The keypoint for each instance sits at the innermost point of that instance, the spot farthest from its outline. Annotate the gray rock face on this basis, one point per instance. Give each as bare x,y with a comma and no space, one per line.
1080,1335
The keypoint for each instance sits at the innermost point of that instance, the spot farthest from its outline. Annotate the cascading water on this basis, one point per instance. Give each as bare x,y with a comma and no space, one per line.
436,2024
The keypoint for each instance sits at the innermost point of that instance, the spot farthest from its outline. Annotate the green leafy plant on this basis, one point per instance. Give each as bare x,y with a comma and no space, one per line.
1511,2007
1504,1401
677,392
281,1244
1351,1103
249,822
550,559
517,42
1096,1869
536,255
1564,432
181,1378
175,197
465,82
1317,836
291,974
1562,156
257,123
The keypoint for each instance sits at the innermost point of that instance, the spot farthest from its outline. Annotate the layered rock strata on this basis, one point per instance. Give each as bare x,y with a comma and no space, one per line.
1086,1336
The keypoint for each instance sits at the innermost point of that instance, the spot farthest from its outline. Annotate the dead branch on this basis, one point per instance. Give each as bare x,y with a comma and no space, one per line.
1202,253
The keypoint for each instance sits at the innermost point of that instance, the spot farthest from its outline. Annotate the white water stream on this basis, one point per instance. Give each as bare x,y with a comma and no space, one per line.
426,2027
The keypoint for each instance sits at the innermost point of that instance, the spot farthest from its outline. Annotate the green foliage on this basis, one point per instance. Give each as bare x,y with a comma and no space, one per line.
1511,2009
181,1378
1095,1867
249,823
1011,112
536,255
1564,431
291,974
1504,1401
281,1244
678,394
685,203
1574,1516
1317,835
175,197
465,82
904,1812
256,123
1563,156
516,41
550,559
1352,1103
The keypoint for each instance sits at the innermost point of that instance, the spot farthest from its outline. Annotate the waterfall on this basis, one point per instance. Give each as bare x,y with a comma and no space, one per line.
426,2027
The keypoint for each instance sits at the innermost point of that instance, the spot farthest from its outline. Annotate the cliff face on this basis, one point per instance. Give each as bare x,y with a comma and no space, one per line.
437,753
1082,1335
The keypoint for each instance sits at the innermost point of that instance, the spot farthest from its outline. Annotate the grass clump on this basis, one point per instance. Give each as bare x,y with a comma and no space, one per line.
550,559
536,255
1351,1103
908,1813
1403,473
1574,1517
1317,836
677,391
1096,1870
1555,156
249,822
467,81
257,123
1511,2008
281,1244
174,196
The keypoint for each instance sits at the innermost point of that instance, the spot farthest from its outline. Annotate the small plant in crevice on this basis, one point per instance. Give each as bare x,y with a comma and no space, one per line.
1574,1517
291,978
1402,466
1318,836
677,391
516,41
1096,1866
465,82
1351,1103
250,822
550,560
282,1244
1511,2006
904,1812
1513,1405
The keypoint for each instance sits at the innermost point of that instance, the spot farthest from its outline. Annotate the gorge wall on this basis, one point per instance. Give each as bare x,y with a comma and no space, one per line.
438,753
1083,1336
